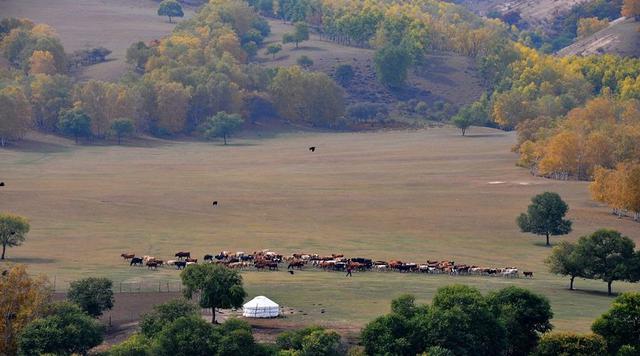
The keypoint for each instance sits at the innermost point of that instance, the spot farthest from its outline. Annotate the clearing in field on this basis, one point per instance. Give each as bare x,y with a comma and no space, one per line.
410,195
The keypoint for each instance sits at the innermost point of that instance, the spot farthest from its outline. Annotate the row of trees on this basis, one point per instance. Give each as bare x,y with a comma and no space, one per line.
605,255
619,188
511,321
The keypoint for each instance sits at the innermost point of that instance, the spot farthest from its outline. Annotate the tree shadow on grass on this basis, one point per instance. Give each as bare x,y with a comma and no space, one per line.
29,260
34,146
595,293
544,244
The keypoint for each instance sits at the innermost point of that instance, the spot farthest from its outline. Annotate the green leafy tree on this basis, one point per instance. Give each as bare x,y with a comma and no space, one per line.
392,65
136,345
388,335
608,256
461,321
93,295
163,314
75,122
474,114
304,62
344,74
274,49
620,325
438,351
545,216
187,336
404,305
138,54
170,8
65,331
222,125
237,339
565,261
13,230
554,344
217,286
300,33
122,127
525,316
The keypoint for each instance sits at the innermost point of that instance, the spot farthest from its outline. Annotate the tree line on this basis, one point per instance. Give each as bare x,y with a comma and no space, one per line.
177,85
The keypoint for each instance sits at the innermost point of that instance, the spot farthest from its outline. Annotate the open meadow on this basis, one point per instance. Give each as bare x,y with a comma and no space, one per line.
409,195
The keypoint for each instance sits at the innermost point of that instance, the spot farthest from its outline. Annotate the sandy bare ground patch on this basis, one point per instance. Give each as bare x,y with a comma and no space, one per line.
114,24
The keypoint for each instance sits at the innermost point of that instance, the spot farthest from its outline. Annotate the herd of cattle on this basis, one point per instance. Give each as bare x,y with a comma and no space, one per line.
269,260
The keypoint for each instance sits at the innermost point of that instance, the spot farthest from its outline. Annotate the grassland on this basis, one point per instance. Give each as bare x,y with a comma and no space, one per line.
413,195
444,77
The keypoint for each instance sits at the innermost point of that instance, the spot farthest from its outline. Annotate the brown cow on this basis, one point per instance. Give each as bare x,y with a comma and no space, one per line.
127,256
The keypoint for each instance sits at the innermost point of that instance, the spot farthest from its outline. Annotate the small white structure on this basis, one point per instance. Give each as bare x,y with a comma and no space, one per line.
260,307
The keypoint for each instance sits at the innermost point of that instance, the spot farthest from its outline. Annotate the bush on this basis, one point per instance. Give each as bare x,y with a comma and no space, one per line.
571,344
344,74
422,108
93,295
366,111
163,314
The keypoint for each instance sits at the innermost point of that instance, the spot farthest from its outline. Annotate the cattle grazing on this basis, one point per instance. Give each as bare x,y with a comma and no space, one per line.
290,272
180,264
152,264
194,260
208,258
183,254
295,264
215,203
136,261
528,274
148,258
127,256
1,184
312,148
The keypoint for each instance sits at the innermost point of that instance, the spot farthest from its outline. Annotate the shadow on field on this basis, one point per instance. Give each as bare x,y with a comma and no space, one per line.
34,146
484,135
32,260
595,293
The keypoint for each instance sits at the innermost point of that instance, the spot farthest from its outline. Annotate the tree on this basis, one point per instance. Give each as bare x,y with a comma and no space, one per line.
50,94
24,298
553,344
222,125
545,216
304,62
392,65
170,8
93,295
631,8
525,316
344,74
463,120
273,49
187,336
136,345
138,54
565,261
15,114
387,335
122,127
460,320
608,256
66,330
163,314
620,325
300,33
42,62
172,100
216,285
75,122
13,230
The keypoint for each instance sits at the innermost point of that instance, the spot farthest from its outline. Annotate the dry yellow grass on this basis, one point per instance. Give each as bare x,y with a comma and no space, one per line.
413,195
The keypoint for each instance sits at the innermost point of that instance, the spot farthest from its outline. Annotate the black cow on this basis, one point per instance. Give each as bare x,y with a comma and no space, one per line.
208,257
181,264
136,261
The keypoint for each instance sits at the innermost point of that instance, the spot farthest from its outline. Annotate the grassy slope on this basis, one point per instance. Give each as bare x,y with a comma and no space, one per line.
413,195
114,24
446,77
622,37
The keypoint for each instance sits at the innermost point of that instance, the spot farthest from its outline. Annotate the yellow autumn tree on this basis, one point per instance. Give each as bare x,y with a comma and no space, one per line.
589,26
42,62
23,299
172,100
15,114
631,8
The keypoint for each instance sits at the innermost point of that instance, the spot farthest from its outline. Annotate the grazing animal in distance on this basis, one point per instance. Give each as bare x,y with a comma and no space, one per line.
135,261
152,264
290,272
1,184
127,256
208,258
180,264
215,203
528,274
183,254
312,148
194,260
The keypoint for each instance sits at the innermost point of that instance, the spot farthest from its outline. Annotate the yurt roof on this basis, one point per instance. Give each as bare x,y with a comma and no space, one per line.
260,301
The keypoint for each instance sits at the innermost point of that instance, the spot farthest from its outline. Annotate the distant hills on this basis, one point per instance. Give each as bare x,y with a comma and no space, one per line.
622,37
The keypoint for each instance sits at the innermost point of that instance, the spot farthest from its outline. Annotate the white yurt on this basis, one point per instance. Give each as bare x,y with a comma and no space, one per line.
260,307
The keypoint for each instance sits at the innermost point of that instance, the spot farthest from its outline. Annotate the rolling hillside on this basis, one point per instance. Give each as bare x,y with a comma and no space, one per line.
621,37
